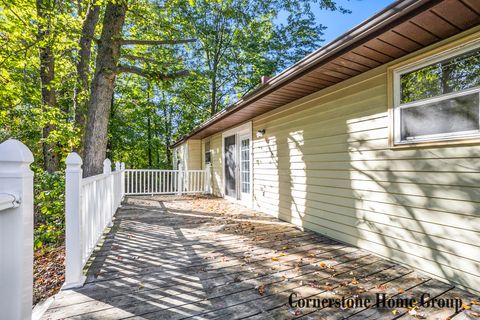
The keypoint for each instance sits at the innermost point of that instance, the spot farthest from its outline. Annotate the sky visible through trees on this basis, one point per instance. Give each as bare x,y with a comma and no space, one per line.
125,79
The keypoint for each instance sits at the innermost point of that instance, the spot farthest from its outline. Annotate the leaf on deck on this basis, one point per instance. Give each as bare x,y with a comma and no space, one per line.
261,290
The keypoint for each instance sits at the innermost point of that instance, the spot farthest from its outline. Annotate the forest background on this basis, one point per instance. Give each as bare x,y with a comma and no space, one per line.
125,79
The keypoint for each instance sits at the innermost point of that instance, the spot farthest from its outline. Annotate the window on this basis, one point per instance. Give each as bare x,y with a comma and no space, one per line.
245,164
438,100
207,152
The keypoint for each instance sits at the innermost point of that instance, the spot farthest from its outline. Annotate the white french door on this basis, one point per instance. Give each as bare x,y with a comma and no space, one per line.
237,164
245,192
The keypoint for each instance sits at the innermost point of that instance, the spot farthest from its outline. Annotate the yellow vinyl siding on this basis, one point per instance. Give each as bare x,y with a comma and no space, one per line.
189,154
194,158
325,164
216,162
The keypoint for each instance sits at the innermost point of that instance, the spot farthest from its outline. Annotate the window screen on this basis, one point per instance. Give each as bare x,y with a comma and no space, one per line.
459,114
440,100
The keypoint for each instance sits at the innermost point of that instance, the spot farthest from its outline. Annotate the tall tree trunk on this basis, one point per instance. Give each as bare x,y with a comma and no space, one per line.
168,134
149,127
149,138
447,70
213,103
102,88
51,161
85,42
110,136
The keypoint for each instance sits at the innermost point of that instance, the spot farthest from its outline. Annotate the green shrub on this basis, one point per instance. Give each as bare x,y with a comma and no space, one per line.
49,209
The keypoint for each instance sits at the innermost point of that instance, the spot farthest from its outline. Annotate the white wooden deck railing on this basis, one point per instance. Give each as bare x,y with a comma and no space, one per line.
16,230
90,204
150,181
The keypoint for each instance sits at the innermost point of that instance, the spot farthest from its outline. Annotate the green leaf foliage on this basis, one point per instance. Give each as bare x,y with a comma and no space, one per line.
237,42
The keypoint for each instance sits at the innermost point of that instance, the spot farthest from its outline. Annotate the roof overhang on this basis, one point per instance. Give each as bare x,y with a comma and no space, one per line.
403,27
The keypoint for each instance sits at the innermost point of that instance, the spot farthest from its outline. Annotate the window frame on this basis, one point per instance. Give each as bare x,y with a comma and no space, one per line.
470,136
209,151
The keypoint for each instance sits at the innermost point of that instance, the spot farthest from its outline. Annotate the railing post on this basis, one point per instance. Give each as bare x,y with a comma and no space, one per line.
208,181
107,166
180,179
117,180
74,277
122,183
107,170
16,231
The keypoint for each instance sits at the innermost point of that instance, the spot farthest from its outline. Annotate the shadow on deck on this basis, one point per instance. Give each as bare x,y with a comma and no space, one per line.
176,258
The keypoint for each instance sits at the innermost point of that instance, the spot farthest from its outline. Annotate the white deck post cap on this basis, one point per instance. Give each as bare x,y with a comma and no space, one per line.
107,166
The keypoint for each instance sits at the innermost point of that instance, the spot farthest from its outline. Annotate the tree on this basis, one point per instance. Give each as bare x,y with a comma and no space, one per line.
240,41
47,74
259,46
83,64
102,88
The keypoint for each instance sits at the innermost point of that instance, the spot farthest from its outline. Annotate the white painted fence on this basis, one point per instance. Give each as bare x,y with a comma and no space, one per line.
16,231
90,204
150,181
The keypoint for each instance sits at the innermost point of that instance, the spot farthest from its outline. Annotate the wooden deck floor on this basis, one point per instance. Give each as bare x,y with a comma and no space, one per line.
167,258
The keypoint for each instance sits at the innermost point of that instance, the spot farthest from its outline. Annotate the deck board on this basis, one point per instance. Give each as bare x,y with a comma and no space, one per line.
204,258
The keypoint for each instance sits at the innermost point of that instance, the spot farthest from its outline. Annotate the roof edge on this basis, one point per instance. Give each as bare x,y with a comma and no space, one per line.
393,13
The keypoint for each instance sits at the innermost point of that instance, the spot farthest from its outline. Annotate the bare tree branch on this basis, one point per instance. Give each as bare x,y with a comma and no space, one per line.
137,58
155,42
151,74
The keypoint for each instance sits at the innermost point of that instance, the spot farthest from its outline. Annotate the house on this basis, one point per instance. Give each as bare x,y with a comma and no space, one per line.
373,140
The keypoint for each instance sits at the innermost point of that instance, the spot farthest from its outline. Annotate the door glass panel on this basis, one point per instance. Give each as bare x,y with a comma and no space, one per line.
230,166
245,165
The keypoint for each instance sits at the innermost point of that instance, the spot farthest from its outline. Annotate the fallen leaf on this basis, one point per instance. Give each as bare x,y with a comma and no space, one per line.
466,307
354,281
322,264
395,312
261,290
401,291
381,287
274,258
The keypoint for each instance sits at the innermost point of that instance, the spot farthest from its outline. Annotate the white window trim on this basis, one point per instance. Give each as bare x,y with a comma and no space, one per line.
205,152
397,73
